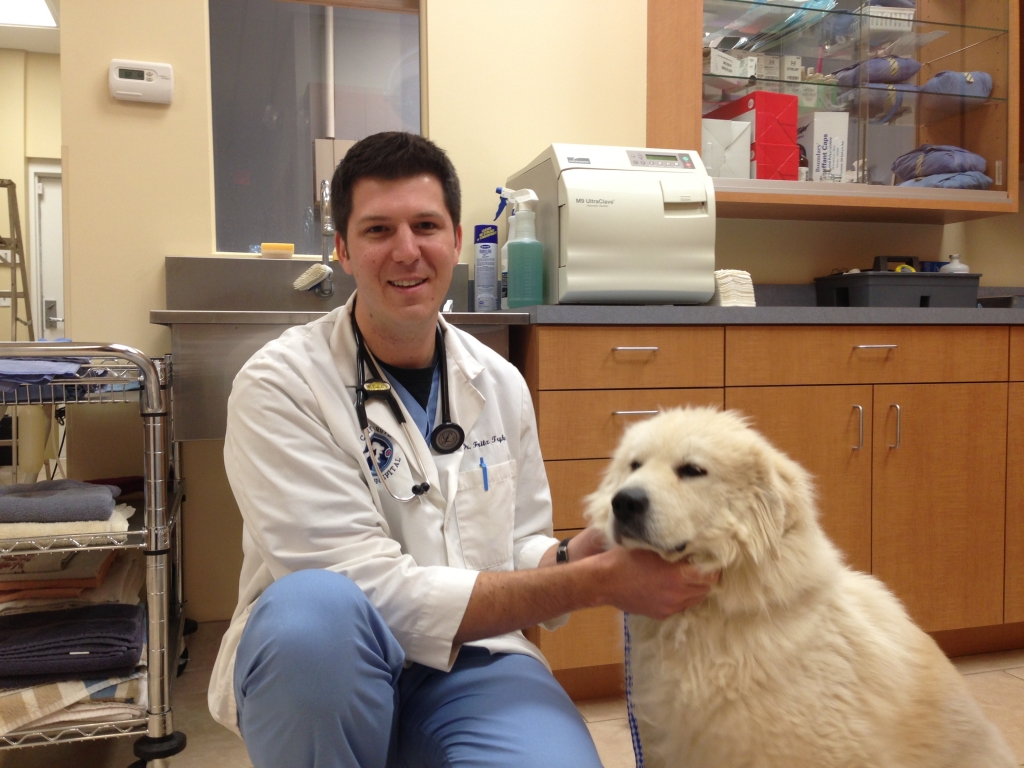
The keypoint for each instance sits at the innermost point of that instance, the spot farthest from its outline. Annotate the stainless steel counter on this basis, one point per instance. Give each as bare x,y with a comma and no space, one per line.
211,346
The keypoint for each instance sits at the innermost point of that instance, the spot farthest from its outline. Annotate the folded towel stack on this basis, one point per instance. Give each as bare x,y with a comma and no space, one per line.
49,646
56,501
733,288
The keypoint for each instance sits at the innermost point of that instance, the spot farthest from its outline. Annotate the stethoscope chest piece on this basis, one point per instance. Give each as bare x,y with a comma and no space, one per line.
447,437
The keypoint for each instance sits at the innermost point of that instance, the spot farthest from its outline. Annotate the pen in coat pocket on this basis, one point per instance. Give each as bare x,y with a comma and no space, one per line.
483,468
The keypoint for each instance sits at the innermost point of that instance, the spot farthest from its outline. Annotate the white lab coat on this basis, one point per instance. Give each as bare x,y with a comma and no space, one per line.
294,456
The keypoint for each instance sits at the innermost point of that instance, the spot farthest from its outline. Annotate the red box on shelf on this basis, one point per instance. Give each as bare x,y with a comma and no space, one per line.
774,161
772,116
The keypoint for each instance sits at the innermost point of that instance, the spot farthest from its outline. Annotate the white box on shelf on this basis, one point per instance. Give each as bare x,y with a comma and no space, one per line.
768,67
824,136
884,18
725,64
792,68
725,148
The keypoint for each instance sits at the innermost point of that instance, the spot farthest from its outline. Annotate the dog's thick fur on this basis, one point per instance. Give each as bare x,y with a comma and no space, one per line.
793,660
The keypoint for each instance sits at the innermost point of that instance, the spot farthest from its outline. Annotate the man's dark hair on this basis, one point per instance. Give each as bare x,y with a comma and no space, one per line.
391,156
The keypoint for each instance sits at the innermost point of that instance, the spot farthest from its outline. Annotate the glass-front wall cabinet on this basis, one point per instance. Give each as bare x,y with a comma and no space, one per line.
880,93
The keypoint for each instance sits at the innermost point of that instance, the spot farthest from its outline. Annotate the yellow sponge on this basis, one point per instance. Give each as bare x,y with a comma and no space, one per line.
277,250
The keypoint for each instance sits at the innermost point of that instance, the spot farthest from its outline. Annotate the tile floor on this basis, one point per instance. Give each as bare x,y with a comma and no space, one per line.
996,680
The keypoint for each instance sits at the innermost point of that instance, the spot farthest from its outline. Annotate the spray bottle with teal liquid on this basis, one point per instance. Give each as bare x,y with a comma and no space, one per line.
525,252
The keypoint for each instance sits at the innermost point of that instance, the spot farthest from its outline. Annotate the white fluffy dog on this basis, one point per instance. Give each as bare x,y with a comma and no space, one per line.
793,660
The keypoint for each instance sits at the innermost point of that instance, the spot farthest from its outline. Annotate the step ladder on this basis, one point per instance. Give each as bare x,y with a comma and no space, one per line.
14,246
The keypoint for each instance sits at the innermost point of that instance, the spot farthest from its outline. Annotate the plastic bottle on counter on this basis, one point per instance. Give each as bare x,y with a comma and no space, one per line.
955,265
485,268
510,234
525,254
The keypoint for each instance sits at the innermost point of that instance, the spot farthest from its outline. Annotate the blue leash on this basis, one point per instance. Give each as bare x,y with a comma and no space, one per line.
638,750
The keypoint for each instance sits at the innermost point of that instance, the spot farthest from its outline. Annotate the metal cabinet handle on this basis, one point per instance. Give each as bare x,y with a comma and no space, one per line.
899,424
635,349
875,346
633,413
860,410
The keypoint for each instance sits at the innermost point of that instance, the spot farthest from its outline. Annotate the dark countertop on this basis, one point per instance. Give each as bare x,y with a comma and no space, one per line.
566,314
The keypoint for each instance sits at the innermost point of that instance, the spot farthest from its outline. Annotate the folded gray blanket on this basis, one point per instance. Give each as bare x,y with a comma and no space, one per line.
56,501
78,642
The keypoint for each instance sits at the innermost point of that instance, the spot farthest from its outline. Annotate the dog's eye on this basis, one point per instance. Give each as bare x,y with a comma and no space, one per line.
634,466
690,470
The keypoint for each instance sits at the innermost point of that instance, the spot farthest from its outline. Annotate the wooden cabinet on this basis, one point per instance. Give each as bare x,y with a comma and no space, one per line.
960,36
1014,603
589,383
938,500
928,496
1017,354
828,431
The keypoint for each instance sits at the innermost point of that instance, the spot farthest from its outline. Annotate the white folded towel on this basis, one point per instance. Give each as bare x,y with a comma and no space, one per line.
733,288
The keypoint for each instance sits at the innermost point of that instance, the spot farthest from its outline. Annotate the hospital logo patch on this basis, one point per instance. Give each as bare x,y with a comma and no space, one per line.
383,452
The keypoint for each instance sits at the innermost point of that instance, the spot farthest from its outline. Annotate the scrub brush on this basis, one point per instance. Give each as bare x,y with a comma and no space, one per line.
312,277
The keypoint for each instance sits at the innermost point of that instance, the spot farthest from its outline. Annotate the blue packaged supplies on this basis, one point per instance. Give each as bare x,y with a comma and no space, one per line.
951,93
884,69
961,180
929,160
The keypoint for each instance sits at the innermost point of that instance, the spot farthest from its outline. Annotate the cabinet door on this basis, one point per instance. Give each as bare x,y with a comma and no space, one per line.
938,500
828,431
1015,507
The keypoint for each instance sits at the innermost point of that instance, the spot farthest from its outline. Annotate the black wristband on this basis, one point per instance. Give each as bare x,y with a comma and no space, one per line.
562,553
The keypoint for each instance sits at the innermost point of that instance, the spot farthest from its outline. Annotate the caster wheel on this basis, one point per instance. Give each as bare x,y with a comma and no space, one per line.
182,662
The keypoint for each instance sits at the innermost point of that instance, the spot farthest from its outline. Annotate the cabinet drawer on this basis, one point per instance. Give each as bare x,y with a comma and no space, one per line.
588,425
570,481
1017,353
606,357
772,355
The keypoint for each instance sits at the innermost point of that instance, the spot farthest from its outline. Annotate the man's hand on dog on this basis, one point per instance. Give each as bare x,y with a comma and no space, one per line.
643,582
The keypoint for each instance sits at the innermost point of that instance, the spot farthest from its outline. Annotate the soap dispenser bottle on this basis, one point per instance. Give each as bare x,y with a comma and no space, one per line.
525,254
955,266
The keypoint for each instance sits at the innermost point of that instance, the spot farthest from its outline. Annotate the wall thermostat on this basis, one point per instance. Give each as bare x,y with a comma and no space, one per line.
141,81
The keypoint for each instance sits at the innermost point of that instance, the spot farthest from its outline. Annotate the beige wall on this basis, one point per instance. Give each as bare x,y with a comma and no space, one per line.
42,105
505,81
995,247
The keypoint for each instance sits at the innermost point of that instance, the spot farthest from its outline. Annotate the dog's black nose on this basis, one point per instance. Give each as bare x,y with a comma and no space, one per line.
629,504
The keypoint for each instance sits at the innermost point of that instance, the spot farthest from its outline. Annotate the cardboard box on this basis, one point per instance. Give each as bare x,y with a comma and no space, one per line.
792,68
772,116
725,64
824,136
774,161
726,148
768,67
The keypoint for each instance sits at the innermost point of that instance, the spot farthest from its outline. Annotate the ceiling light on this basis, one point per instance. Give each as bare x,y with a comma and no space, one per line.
26,13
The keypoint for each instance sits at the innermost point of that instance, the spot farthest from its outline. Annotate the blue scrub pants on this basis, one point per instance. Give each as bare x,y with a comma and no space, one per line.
320,681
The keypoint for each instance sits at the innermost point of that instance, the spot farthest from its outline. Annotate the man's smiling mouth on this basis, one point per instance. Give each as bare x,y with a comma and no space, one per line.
406,283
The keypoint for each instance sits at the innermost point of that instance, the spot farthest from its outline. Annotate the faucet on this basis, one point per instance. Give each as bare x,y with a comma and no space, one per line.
325,288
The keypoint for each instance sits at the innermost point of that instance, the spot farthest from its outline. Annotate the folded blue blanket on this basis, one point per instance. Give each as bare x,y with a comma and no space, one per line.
885,102
56,501
75,642
932,159
964,180
15,371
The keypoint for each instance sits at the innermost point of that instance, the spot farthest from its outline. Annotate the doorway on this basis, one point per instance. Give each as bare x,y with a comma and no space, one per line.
46,240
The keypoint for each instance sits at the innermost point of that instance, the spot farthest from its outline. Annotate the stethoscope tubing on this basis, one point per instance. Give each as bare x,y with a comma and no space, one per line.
446,437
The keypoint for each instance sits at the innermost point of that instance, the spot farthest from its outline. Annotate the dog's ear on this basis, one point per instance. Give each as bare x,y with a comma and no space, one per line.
768,515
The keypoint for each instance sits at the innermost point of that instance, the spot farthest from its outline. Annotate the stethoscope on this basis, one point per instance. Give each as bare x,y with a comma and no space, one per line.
445,438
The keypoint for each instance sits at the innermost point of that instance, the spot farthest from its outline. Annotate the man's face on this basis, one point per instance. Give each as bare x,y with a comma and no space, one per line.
401,250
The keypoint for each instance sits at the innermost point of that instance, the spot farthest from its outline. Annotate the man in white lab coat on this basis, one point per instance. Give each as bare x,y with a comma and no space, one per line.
379,618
